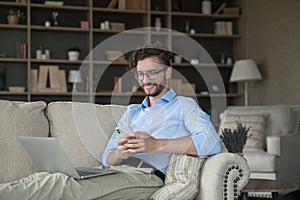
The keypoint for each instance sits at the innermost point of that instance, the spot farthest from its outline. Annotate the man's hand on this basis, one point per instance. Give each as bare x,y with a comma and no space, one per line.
139,142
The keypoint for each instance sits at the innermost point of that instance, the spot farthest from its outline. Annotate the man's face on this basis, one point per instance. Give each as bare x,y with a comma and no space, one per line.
151,76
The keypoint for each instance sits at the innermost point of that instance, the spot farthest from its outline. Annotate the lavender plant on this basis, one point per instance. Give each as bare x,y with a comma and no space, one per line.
235,140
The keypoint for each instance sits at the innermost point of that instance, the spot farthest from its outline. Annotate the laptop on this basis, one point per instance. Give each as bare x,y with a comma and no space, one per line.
48,155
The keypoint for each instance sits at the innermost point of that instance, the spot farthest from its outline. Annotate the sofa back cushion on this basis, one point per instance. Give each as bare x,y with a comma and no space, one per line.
83,129
281,118
19,119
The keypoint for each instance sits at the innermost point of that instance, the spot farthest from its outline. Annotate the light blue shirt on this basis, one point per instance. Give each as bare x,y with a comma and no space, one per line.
170,117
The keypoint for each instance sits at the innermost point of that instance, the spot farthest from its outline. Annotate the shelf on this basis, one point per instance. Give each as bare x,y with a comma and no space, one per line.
213,16
13,60
59,94
202,65
10,26
58,28
63,7
205,35
142,94
112,10
13,4
58,61
12,93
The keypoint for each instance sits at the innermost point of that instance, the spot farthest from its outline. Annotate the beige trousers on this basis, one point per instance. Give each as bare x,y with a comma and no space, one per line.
46,186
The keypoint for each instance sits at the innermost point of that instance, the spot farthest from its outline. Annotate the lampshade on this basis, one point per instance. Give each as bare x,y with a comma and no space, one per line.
245,70
74,76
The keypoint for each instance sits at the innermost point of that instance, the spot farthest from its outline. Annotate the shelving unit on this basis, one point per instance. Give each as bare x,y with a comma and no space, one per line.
68,33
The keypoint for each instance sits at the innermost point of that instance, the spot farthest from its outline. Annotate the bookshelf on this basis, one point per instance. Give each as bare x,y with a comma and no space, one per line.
58,39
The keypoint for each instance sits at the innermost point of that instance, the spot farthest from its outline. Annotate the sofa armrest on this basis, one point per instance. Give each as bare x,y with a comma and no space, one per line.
224,174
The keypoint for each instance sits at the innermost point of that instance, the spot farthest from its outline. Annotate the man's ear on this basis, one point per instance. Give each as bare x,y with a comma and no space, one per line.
168,72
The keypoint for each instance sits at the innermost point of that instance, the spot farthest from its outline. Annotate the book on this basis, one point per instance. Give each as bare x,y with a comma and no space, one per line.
117,84
229,30
33,80
54,78
188,89
121,5
112,4
62,81
221,7
42,78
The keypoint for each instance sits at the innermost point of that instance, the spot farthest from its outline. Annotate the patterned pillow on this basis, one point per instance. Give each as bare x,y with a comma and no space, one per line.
182,179
257,139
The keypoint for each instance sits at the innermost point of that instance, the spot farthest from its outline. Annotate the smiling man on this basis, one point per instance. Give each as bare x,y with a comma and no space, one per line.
164,123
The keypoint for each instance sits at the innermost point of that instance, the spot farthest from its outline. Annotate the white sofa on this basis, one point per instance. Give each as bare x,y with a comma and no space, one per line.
279,159
83,130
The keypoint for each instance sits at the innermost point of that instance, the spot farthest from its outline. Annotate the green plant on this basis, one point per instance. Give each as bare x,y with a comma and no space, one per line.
75,48
235,140
15,12
2,71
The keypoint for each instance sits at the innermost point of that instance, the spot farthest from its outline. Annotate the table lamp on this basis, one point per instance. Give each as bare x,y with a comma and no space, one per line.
75,78
245,70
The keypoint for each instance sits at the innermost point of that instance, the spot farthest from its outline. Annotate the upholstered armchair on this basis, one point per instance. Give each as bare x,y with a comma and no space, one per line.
274,143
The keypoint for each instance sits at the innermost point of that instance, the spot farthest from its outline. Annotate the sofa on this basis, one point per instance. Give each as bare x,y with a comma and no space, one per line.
274,151
83,130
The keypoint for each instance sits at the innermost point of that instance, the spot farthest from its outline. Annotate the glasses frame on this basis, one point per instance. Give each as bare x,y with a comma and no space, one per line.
152,75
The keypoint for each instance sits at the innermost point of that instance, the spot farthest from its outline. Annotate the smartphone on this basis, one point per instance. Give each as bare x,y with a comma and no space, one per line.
123,130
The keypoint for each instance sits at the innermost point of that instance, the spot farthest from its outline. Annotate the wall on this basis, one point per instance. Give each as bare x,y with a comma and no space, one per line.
272,38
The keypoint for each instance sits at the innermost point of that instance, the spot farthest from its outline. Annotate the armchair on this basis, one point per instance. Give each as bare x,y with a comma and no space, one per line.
281,143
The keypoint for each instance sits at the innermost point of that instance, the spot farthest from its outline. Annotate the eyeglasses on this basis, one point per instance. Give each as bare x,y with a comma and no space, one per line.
151,75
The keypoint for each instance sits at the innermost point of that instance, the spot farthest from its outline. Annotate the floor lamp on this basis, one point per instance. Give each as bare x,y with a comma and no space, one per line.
245,70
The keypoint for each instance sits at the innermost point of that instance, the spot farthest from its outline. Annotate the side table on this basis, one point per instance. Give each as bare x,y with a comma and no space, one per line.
265,185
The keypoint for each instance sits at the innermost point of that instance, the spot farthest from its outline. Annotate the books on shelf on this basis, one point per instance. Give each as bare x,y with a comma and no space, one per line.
224,28
117,84
180,88
220,9
54,3
48,74
112,4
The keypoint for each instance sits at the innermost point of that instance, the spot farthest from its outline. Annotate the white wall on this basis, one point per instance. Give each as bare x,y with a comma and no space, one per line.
272,38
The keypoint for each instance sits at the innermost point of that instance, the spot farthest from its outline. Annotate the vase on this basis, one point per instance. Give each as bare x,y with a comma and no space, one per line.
13,19
73,55
206,7
157,23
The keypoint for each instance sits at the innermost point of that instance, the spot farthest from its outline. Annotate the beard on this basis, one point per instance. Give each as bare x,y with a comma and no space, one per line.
158,88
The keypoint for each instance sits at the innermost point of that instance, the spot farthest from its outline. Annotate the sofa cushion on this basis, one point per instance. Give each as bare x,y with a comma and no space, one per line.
280,117
262,161
83,129
182,178
19,119
256,136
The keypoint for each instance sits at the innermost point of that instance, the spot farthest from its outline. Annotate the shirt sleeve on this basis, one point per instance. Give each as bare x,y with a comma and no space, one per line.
113,141
203,133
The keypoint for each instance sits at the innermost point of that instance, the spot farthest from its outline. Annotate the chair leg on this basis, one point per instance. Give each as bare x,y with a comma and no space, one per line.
244,195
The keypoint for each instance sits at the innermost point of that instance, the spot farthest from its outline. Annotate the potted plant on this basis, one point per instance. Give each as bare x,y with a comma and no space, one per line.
2,77
74,53
14,15
235,140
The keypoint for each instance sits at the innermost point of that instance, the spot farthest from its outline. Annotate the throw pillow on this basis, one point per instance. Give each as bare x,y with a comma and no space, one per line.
257,139
182,179
83,129
19,119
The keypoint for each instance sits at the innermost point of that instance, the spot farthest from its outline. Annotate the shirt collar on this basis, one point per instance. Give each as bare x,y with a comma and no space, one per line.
170,94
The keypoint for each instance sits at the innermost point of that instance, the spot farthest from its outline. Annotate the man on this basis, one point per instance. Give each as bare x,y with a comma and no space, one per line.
163,124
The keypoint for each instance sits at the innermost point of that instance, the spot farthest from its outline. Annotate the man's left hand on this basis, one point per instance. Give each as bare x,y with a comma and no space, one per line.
142,142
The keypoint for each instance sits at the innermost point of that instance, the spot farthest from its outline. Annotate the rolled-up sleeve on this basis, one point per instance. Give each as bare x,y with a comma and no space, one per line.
203,133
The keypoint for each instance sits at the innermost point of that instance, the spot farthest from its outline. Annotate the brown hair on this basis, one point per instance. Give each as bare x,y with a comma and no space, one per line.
156,49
